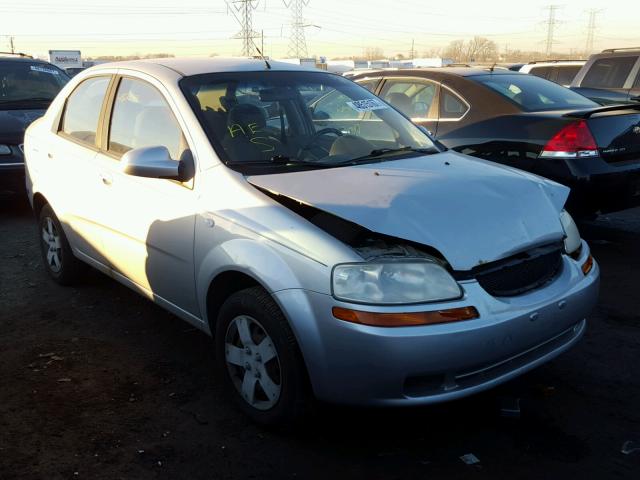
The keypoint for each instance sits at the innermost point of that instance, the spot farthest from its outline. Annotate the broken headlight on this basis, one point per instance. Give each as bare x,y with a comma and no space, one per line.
572,241
394,282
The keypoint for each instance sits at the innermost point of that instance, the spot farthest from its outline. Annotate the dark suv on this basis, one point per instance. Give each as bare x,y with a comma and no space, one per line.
27,87
611,77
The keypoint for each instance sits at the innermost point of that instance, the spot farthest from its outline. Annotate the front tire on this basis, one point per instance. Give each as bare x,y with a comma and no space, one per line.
57,257
259,359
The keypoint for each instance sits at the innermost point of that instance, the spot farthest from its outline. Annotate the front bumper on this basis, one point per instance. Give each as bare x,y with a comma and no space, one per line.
357,364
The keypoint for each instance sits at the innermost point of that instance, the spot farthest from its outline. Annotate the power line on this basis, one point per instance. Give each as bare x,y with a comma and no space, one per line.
298,42
245,8
591,29
551,25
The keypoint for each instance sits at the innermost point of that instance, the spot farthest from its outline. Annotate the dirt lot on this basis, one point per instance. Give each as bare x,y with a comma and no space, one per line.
96,382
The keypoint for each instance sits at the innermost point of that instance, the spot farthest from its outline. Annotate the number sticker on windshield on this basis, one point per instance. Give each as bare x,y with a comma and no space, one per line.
367,105
36,68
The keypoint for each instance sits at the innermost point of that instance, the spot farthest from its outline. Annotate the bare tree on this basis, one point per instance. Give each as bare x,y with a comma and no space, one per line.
456,51
480,49
373,53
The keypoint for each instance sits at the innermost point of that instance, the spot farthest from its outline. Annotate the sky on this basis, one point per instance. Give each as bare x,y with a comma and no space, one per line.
336,28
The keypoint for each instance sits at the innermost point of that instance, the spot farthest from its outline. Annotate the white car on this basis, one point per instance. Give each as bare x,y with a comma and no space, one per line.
558,71
341,254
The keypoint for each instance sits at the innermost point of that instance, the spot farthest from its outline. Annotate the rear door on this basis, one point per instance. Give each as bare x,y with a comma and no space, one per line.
74,180
151,221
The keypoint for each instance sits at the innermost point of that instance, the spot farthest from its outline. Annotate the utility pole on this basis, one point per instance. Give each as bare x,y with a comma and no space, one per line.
413,50
13,50
242,10
591,30
298,42
551,25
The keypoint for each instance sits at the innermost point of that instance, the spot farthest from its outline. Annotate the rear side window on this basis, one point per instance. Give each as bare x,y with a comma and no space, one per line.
609,72
567,74
452,107
142,118
542,72
414,98
82,112
369,84
534,94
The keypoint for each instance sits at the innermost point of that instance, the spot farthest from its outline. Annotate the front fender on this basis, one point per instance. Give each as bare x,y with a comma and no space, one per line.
272,265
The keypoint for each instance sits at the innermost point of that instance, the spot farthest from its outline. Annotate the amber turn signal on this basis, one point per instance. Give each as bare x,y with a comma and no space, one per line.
405,319
587,265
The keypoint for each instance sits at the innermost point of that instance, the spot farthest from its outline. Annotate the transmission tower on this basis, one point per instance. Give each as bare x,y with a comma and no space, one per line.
298,42
591,30
242,10
551,26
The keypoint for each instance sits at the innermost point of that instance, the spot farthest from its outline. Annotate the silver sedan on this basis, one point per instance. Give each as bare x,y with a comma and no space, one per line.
331,248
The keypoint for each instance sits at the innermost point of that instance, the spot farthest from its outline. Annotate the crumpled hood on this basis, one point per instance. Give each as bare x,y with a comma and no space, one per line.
13,123
470,210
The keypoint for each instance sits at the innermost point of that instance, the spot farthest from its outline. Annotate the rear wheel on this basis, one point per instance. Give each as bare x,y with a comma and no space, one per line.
259,359
57,257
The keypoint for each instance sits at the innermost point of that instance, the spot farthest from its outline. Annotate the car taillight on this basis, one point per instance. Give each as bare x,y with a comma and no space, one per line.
573,141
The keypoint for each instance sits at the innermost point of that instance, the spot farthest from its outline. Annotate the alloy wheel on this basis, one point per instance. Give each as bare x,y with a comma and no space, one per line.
253,363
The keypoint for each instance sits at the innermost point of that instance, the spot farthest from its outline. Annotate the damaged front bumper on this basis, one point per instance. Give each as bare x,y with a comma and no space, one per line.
358,364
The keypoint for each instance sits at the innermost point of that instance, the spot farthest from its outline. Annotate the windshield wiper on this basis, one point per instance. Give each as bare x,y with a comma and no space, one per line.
379,152
278,160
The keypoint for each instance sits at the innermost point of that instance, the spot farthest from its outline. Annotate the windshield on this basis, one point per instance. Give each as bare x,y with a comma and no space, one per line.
276,119
29,85
534,94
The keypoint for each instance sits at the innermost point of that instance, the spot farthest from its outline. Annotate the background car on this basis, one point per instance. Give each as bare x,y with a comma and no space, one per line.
526,122
558,71
27,87
611,77
359,261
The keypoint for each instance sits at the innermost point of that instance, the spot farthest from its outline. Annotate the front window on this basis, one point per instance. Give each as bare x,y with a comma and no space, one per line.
292,119
534,94
25,85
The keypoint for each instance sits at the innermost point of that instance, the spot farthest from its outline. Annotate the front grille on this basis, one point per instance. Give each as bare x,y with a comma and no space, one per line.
521,273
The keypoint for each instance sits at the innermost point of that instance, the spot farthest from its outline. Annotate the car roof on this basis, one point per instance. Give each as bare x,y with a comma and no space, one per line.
198,66
14,59
441,72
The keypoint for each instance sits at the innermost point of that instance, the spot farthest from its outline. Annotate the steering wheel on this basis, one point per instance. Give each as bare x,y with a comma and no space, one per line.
316,136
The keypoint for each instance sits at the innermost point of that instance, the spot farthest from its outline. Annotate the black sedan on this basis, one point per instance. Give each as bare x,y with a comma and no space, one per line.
27,87
525,122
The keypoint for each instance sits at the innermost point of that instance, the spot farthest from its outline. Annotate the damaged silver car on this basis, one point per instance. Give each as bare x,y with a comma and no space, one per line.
330,247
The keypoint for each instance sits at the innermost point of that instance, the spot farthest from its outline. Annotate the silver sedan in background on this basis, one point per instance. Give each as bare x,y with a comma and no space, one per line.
337,253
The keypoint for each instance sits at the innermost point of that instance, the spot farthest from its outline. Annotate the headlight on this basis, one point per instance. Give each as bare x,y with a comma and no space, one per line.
5,150
394,283
572,239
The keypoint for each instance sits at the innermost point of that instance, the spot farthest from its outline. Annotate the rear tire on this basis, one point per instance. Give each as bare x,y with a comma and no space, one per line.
258,358
58,259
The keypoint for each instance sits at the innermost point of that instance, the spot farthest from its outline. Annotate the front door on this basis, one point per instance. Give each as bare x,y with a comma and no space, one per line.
152,221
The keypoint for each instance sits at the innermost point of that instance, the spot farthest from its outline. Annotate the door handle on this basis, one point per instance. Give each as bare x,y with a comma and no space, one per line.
106,179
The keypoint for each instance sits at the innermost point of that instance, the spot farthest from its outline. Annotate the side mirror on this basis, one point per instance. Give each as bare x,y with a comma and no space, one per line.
155,162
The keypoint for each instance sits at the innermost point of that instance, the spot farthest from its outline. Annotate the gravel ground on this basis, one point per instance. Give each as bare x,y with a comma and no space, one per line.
97,382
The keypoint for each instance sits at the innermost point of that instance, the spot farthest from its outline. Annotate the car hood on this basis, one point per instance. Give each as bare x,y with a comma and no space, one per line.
13,123
471,210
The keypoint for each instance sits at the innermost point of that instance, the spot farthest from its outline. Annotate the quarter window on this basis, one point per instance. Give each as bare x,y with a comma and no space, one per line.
451,106
142,118
609,72
82,112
